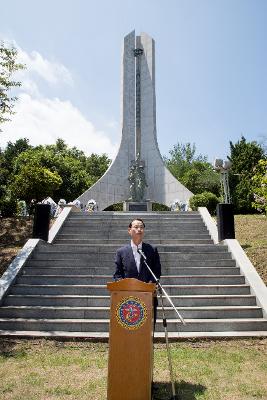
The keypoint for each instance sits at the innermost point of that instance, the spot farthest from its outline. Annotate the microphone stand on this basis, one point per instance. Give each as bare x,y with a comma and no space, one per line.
164,321
160,288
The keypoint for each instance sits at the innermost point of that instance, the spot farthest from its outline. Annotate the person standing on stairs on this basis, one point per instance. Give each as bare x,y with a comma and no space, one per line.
130,264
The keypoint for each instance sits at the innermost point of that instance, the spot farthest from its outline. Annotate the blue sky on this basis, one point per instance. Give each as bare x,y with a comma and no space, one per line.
211,70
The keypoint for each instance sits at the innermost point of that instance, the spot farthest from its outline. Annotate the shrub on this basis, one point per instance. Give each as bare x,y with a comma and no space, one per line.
114,207
8,207
205,199
160,207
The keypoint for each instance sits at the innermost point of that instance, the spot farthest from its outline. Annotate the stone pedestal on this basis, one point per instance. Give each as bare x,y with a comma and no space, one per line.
137,206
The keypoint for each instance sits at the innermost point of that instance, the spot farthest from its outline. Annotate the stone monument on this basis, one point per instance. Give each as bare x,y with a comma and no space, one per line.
138,172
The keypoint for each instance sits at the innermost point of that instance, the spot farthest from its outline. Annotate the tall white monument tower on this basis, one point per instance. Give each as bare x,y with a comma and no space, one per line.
138,150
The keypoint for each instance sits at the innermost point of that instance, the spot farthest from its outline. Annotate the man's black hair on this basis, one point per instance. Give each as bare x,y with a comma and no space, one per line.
136,219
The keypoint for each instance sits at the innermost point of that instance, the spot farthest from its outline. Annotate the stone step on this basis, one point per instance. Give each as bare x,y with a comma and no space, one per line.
107,264
111,248
102,325
122,229
46,312
72,289
109,256
123,235
119,242
102,226
104,301
103,279
128,216
147,220
71,270
121,214
122,232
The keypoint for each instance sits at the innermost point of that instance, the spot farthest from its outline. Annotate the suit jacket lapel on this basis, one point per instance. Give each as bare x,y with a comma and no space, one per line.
131,257
142,266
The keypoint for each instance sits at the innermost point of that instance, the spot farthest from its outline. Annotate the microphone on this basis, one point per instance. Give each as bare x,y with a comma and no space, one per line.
142,253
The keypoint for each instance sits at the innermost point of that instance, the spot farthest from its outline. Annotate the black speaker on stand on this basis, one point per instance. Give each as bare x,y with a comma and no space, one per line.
225,221
41,221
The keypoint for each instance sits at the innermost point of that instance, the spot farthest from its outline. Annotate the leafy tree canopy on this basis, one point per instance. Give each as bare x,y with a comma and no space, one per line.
67,170
96,165
259,186
244,157
35,182
8,66
13,150
193,171
181,158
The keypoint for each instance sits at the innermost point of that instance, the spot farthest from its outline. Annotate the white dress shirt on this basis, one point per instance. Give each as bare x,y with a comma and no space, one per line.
137,256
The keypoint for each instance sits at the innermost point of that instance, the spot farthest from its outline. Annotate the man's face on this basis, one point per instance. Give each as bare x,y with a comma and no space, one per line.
136,231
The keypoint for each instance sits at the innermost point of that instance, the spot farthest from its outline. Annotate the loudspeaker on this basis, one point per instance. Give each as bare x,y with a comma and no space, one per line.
225,221
41,221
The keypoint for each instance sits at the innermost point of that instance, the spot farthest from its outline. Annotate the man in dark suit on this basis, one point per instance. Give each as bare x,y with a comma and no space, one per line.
130,264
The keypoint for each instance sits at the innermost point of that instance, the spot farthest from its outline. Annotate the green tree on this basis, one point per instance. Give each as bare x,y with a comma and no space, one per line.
96,165
77,171
70,169
181,158
259,186
244,157
4,174
7,158
34,181
8,66
12,151
201,177
193,171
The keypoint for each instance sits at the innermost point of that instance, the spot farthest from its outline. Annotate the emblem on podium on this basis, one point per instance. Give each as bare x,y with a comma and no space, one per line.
131,313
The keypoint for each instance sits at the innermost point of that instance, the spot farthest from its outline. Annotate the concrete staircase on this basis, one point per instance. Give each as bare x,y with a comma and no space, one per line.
61,290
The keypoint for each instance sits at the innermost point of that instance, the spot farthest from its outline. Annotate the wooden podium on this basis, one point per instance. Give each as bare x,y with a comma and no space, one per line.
130,363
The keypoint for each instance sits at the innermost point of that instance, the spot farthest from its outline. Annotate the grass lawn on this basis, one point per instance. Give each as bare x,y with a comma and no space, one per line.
251,232
204,370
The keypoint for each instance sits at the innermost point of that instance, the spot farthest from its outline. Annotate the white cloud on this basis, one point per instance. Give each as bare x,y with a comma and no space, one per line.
44,120
30,87
51,71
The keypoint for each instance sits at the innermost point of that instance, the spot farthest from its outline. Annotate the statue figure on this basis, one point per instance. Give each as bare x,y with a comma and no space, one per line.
141,182
133,182
137,180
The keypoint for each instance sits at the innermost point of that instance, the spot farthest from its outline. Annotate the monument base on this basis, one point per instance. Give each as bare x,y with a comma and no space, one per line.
137,206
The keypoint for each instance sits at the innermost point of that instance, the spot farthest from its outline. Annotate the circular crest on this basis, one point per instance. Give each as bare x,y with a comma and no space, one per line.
131,313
